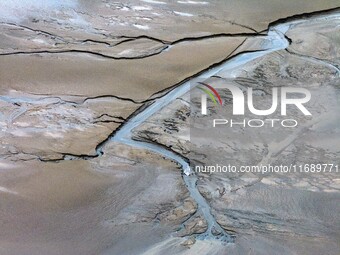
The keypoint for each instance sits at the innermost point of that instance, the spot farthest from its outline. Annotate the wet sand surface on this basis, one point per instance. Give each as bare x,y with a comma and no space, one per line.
71,207
73,73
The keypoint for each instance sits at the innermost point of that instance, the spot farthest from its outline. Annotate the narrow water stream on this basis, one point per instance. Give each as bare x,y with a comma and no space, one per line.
275,40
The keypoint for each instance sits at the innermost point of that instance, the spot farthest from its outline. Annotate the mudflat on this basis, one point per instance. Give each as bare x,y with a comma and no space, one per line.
72,74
